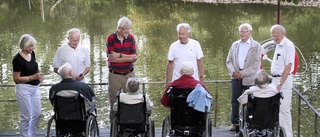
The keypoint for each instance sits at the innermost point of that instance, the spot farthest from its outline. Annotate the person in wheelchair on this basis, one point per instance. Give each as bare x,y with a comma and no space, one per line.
185,81
129,119
133,96
260,113
262,87
68,85
189,102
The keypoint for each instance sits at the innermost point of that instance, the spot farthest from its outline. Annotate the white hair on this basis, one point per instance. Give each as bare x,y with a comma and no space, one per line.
132,84
186,68
73,31
280,27
64,70
261,78
245,25
123,21
26,40
184,25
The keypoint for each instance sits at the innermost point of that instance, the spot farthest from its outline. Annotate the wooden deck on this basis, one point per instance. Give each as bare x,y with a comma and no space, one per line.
104,132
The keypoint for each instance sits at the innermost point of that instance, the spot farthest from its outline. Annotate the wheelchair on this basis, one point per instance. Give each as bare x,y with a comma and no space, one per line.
184,120
132,120
71,116
260,117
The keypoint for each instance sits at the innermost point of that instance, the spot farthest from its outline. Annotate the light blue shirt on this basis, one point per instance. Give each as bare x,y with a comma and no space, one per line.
243,50
200,99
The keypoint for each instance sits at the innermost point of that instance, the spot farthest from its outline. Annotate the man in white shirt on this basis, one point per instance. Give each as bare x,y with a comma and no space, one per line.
243,62
281,71
184,50
75,54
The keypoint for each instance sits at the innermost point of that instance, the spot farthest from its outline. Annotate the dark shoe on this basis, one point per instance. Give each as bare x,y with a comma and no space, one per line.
232,127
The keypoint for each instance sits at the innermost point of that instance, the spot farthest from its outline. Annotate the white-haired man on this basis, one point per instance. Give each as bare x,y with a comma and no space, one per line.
281,71
75,54
243,62
69,83
184,50
121,54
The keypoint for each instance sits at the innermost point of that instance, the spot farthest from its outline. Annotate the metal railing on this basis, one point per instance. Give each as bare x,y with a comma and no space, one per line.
216,83
301,114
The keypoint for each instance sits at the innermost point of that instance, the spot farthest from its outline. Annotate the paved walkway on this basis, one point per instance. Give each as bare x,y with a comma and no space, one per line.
104,132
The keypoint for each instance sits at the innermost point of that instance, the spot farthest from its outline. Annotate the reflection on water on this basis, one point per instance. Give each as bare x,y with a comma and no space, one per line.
154,25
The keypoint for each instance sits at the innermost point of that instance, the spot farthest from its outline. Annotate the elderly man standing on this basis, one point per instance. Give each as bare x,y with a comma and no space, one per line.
184,50
243,62
281,71
75,54
121,53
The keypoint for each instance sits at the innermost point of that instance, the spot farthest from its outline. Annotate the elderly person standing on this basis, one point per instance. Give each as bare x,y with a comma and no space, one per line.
27,77
121,54
75,54
262,87
133,96
281,71
243,62
184,50
186,80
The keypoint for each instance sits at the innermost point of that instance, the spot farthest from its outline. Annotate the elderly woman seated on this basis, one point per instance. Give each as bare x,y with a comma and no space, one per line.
133,96
185,81
262,87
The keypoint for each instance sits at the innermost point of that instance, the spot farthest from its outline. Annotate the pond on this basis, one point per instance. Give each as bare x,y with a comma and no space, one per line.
215,26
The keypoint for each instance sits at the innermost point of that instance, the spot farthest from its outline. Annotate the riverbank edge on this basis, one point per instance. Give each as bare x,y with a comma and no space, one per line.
303,3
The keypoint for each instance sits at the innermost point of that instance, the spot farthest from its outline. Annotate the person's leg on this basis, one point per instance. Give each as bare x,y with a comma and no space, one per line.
285,117
35,111
114,86
236,87
23,99
285,114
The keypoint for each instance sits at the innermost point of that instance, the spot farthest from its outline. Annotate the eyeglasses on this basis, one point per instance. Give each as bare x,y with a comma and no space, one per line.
244,31
125,29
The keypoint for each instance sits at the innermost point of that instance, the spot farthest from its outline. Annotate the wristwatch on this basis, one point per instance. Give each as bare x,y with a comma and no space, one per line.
279,84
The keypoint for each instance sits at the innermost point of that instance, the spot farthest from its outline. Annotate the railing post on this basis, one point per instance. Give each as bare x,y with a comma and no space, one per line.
216,105
299,114
143,87
315,125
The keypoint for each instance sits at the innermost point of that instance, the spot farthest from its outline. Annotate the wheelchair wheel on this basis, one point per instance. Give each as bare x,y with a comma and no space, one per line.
208,132
92,129
151,129
49,132
166,127
242,132
282,132
113,129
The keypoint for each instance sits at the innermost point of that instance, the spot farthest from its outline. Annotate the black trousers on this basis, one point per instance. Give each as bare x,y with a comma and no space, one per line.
237,89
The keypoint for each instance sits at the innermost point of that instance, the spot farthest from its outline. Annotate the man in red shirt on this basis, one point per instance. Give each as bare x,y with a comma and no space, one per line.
121,54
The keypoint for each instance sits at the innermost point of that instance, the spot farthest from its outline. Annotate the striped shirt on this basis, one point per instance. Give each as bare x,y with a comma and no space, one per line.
127,46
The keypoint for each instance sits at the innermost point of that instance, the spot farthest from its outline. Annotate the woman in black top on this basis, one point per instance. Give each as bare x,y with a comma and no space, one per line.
27,77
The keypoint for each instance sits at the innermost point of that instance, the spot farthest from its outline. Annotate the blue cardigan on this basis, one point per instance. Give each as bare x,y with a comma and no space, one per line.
200,99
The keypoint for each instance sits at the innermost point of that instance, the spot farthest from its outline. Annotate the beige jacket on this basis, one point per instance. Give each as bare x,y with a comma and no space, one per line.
251,65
